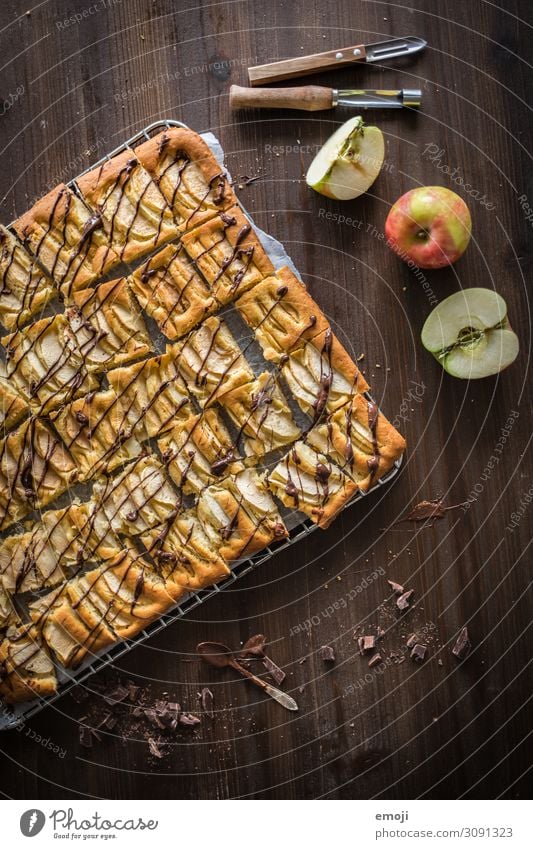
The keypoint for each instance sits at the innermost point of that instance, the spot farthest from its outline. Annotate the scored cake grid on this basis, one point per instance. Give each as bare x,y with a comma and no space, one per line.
229,502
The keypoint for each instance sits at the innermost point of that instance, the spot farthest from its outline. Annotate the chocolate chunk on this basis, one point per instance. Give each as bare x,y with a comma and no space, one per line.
117,695
396,588
367,643
86,737
326,653
206,697
463,646
418,653
254,645
189,719
404,600
374,660
154,748
411,641
137,711
133,691
109,721
277,674
153,718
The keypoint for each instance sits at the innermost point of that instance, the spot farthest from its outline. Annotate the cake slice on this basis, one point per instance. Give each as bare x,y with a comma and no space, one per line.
107,326
359,439
24,288
261,413
188,175
322,376
198,452
171,291
282,314
13,407
26,669
239,516
151,395
44,367
96,432
34,469
67,239
228,254
137,499
135,215
210,361
308,481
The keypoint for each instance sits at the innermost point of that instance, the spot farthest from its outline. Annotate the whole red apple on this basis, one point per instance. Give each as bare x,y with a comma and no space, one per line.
430,226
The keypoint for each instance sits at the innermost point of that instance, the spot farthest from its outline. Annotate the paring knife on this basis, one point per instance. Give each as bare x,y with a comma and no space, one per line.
315,97
303,65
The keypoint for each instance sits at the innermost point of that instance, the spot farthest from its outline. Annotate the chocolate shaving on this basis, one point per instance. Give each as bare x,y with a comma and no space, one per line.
189,719
277,674
154,748
411,641
117,695
133,691
396,588
86,737
404,600
374,660
254,646
425,510
326,653
206,697
463,646
418,653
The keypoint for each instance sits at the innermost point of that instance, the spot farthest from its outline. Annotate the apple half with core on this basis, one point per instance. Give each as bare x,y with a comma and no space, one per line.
349,162
469,334
429,226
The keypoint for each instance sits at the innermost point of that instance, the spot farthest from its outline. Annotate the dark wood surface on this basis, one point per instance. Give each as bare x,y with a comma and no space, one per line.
440,730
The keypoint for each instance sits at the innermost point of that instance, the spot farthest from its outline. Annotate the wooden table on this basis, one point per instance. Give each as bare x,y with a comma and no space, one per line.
441,729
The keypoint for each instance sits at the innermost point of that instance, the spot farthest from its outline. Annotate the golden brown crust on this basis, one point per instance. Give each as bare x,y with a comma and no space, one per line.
360,440
13,407
282,314
26,670
96,433
107,326
24,288
135,215
152,395
45,366
307,481
67,239
188,175
170,290
199,451
261,413
34,469
229,254
210,361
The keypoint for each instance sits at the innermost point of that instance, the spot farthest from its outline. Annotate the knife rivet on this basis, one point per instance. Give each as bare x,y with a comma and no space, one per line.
357,52
338,55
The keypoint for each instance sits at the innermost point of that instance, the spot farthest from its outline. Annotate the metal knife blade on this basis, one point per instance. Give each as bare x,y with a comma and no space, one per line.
383,50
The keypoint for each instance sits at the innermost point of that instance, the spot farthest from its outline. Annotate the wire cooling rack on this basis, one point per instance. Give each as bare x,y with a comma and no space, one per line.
299,528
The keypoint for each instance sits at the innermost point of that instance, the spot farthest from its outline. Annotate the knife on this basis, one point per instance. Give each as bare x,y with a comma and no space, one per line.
315,97
303,65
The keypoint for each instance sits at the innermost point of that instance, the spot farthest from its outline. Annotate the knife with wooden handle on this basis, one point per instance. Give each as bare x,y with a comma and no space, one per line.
313,64
313,98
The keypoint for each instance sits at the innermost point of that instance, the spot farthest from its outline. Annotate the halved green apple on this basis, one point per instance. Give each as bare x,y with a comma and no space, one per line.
469,334
349,162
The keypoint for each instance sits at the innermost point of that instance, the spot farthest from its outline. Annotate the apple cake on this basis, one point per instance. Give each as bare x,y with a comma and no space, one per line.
178,402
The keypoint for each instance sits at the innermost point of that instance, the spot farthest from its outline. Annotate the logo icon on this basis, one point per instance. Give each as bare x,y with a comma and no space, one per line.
32,822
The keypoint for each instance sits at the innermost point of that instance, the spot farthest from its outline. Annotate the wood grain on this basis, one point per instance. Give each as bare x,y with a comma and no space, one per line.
440,730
